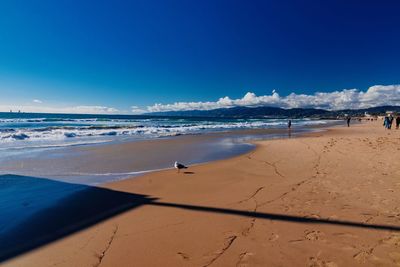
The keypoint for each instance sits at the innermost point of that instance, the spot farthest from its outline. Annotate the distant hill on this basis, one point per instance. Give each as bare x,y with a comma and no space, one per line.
274,112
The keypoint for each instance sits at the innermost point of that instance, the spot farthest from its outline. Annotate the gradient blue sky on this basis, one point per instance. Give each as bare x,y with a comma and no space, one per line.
123,53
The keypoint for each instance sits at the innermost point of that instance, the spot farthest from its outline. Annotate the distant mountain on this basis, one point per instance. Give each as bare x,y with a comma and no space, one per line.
274,112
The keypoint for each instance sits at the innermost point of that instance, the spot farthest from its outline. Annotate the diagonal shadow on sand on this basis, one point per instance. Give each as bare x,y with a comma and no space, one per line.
277,217
36,211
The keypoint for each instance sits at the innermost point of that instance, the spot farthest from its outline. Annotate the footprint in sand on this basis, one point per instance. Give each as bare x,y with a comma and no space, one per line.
317,262
184,256
393,240
363,256
273,237
313,235
394,216
243,259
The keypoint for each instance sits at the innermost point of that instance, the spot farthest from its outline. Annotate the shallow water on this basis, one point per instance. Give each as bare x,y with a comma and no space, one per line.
96,164
92,149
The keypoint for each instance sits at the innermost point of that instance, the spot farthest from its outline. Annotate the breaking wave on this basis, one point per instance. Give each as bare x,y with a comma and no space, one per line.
160,130
42,132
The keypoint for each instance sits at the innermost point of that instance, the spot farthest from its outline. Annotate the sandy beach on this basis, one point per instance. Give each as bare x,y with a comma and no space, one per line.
325,199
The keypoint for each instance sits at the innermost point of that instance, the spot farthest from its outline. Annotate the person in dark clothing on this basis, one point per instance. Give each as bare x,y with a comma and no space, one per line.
386,122
348,121
289,126
397,122
390,121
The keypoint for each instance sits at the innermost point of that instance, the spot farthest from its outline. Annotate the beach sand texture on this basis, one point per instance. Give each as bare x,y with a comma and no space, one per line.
327,199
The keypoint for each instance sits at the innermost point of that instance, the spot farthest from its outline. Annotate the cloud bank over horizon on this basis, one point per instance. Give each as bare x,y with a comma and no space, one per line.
377,95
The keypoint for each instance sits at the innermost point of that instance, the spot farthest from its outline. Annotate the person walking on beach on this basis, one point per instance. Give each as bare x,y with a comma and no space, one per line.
390,121
348,121
289,125
386,122
397,122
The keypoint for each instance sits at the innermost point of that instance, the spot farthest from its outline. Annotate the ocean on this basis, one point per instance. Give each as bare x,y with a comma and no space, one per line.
69,147
28,130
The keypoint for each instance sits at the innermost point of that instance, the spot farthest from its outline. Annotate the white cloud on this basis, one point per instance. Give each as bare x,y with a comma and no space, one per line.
70,110
377,95
137,110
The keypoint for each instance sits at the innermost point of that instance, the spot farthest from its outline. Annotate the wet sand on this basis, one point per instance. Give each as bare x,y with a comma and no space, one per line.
326,199
97,164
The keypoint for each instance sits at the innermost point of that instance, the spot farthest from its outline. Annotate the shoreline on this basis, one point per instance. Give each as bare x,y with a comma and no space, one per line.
327,199
102,163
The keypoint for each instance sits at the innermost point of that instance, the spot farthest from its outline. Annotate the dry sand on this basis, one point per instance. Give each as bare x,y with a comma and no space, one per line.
329,199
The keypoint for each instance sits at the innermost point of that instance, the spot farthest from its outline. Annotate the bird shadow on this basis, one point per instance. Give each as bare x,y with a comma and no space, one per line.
188,172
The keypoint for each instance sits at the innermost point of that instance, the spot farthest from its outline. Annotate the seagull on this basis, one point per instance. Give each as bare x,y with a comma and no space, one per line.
179,166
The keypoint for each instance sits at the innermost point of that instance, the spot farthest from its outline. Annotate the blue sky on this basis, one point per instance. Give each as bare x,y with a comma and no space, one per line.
118,54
